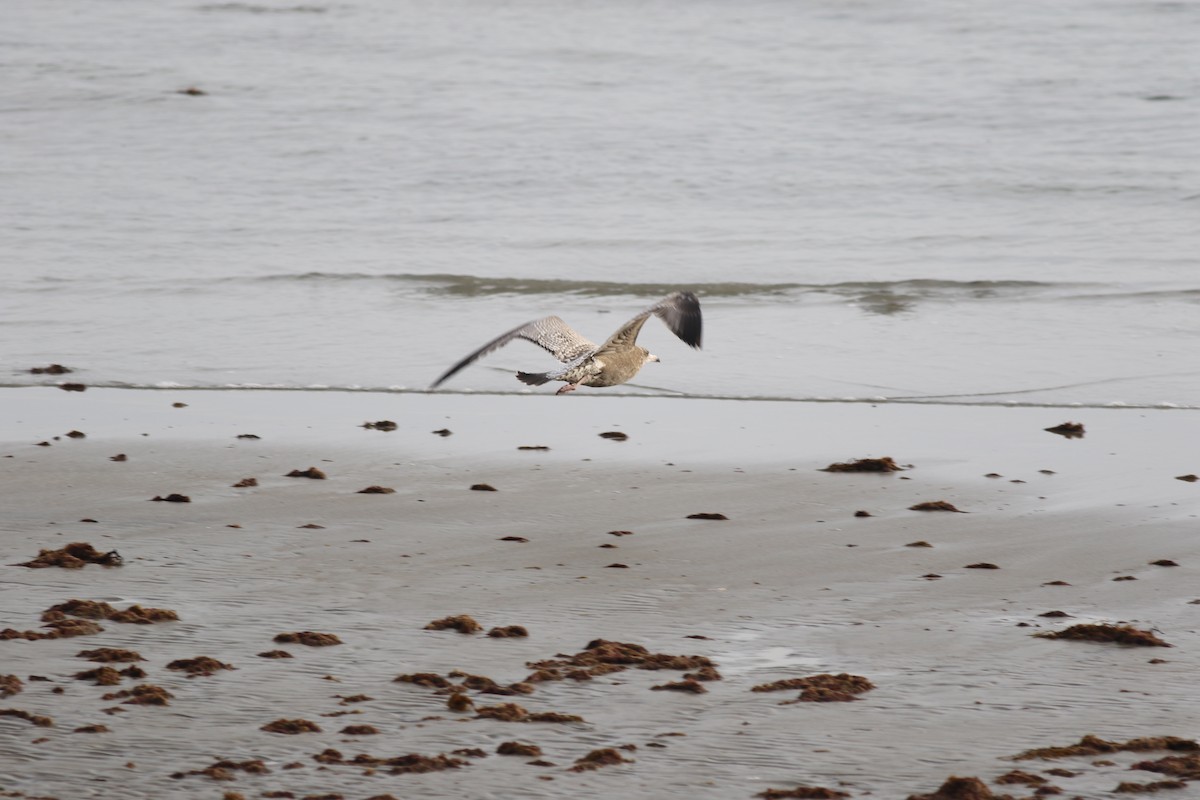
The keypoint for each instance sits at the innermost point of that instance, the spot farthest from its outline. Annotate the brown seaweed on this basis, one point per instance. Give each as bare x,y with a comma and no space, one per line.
956,788
601,657
10,685
803,793
198,666
102,676
412,763
1105,633
309,638
1069,430
519,749
1093,745
935,505
1187,767
821,688
430,680
604,757
291,726
146,694
508,632
460,622
311,472
93,609
74,556
36,719
686,685
885,464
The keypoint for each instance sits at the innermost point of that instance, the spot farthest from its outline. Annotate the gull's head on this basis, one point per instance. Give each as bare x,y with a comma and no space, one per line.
651,357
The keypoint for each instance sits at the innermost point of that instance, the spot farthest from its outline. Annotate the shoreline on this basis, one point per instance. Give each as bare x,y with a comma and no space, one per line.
791,584
953,400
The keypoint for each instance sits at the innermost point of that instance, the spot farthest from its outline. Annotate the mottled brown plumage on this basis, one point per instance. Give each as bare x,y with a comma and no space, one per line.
586,363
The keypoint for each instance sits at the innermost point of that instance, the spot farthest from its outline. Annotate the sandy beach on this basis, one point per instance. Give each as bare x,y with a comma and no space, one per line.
589,538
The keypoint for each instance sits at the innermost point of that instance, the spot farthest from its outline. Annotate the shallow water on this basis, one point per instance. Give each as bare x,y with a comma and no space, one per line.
984,204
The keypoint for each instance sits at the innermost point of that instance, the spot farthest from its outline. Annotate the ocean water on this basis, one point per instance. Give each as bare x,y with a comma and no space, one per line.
924,202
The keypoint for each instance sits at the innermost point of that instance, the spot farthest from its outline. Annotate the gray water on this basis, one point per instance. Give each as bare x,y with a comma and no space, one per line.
984,202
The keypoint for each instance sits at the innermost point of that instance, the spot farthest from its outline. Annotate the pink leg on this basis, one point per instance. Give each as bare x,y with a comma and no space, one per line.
567,387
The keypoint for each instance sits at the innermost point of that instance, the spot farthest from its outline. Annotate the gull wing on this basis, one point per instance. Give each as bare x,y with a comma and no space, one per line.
550,333
680,312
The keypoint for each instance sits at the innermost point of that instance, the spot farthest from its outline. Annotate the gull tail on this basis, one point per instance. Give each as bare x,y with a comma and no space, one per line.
533,378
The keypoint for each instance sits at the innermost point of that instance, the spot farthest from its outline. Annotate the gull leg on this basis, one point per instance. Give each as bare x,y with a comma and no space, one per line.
567,387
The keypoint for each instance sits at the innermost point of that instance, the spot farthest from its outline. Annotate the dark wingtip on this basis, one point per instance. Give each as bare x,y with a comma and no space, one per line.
691,323
532,378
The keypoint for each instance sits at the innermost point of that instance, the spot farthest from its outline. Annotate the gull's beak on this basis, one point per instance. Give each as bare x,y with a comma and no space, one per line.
653,357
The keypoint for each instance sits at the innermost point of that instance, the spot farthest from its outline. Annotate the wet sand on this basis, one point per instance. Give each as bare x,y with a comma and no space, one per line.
590,539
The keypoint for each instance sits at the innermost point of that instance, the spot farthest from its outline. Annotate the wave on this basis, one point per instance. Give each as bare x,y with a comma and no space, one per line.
881,296
476,286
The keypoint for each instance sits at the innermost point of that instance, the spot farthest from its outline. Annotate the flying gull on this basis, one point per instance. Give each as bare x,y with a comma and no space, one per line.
586,363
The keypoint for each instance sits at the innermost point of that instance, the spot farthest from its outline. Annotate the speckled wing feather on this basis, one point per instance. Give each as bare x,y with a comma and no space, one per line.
680,312
549,333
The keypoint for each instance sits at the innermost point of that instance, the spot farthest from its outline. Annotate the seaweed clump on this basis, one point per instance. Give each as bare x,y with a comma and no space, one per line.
508,631
604,757
1093,746
430,680
803,793
198,666
461,623
108,655
822,688
397,765
310,638
311,472
146,694
686,685
519,749
59,629
601,657
956,788
511,712
103,676
36,719
885,464
1109,634
223,770
93,609
1143,788
1069,430
1187,767
935,505
76,555
291,726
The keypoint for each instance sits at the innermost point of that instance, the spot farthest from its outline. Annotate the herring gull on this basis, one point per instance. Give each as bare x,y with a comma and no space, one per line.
586,363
